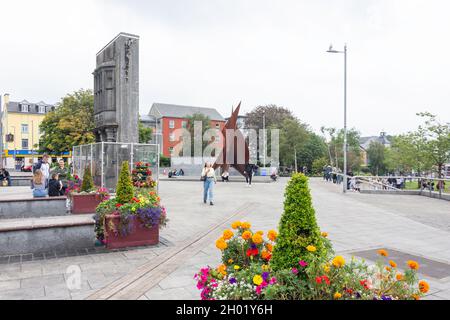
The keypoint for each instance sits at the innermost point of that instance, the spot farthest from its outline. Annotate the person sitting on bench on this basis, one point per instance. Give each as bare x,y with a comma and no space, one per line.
225,176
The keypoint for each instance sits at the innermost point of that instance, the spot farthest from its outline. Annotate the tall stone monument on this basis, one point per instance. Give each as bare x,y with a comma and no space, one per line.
116,90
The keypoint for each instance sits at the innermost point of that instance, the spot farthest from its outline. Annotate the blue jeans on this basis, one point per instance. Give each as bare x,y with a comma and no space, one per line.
208,189
39,193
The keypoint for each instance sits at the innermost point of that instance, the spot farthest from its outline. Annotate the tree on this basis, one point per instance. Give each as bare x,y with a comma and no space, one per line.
376,156
318,165
298,226
438,140
336,146
87,184
145,134
274,117
70,124
124,190
293,136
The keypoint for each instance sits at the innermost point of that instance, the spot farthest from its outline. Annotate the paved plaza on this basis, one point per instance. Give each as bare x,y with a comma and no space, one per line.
356,222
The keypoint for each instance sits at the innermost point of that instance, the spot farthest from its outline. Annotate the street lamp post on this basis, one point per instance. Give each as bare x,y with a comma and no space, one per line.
330,50
264,134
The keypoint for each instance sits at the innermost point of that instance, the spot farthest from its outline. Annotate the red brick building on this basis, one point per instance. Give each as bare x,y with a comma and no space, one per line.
170,117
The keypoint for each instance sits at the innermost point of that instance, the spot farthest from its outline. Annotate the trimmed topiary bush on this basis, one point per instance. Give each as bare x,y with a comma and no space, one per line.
298,227
124,192
87,184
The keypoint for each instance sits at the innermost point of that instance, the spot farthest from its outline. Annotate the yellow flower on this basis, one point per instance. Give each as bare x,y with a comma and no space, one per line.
228,234
337,296
326,268
230,261
246,235
383,253
236,267
393,264
325,234
235,225
272,235
260,233
257,238
424,287
221,244
257,280
246,225
338,262
413,265
222,269
265,267
311,248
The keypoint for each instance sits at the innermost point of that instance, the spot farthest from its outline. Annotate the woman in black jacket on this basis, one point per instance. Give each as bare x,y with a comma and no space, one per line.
55,187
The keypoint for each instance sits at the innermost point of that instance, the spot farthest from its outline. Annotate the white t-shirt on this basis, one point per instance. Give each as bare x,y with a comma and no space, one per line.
45,168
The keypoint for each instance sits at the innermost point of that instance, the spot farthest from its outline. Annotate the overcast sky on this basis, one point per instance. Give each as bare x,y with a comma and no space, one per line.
215,53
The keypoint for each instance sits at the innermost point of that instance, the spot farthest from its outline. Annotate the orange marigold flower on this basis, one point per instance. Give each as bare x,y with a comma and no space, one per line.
383,253
399,277
325,234
337,296
257,238
221,244
338,262
415,297
424,287
228,234
247,235
272,235
235,225
413,265
388,269
269,247
260,233
246,225
393,264
222,269
266,255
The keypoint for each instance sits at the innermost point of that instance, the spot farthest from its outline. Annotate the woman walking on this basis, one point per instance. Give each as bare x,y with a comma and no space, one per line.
209,179
39,185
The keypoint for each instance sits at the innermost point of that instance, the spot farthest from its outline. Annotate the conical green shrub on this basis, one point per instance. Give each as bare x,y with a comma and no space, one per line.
298,227
87,184
124,190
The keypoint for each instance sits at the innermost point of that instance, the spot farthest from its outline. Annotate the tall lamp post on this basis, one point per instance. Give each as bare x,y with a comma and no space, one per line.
331,50
264,135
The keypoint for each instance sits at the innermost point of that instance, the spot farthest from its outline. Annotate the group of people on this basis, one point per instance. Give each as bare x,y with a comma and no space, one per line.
332,174
175,173
47,181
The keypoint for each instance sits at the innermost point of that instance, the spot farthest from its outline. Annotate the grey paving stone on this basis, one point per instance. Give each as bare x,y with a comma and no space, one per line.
37,282
9,285
22,294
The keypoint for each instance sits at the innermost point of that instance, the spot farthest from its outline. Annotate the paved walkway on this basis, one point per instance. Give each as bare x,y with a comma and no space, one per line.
356,222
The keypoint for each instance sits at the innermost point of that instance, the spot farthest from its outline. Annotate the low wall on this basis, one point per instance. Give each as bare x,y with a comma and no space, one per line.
20,182
33,208
47,239
432,194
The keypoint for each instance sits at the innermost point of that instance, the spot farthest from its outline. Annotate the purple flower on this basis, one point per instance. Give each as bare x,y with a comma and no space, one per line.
383,297
265,276
233,280
253,246
303,264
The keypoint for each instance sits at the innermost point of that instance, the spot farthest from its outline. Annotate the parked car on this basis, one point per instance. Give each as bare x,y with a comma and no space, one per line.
26,168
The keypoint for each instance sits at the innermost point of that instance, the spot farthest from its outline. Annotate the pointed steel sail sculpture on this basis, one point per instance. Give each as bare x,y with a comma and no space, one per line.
229,157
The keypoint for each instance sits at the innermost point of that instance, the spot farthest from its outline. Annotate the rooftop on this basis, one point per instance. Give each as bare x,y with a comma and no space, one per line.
160,110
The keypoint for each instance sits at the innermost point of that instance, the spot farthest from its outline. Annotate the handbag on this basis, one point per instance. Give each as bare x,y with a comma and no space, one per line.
203,178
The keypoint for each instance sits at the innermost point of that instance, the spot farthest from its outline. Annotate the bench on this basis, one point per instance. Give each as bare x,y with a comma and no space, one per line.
35,235
33,207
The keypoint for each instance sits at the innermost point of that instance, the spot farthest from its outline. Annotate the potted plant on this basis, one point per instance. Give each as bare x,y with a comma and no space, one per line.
142,176
133,218
84,196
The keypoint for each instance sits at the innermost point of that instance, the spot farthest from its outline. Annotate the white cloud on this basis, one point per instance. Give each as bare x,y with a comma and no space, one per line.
216,53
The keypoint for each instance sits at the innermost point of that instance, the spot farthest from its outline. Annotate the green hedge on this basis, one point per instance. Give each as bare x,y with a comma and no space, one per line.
298,227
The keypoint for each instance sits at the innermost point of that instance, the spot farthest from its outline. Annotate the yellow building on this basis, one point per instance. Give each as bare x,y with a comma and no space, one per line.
20,131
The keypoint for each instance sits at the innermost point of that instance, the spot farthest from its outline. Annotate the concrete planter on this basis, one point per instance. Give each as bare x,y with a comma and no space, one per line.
85,203
139,235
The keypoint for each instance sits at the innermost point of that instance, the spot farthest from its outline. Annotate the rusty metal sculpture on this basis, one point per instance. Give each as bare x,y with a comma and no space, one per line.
223,161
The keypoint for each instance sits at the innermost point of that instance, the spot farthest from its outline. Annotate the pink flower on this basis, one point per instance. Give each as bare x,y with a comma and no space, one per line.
273,280
294,270
303,264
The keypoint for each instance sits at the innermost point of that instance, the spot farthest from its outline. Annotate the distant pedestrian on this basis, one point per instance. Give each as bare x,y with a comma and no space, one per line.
44,166
249,171
209,179
225,176
5,178
39,185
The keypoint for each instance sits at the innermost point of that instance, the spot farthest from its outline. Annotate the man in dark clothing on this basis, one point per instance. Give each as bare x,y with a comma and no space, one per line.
4,176
249,169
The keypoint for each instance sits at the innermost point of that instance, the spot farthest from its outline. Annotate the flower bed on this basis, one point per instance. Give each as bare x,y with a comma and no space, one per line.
132,218
246,273
142,176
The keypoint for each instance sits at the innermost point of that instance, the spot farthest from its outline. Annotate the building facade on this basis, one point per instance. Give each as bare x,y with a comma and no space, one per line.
170,117
20,131
364,144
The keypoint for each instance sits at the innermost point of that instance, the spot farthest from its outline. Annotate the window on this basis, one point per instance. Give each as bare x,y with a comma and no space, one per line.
184,124
24,144
41,109
24,128
172,124
172,137
217,125
24,108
